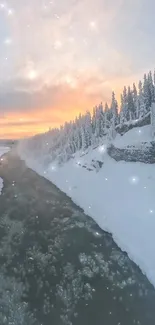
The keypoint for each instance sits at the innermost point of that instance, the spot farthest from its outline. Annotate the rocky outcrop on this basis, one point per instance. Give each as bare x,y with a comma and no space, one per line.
121,129
145,154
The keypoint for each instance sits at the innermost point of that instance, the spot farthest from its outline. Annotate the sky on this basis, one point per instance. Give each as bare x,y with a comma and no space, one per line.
62,57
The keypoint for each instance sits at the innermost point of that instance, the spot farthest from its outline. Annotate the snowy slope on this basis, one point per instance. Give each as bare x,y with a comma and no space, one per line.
136,136
119,196
3,150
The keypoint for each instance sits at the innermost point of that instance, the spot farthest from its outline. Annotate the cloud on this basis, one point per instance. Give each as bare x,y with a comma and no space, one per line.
66,56
55,96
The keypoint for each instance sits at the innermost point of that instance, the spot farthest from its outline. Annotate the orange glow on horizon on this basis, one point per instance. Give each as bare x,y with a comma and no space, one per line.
25,123
17,125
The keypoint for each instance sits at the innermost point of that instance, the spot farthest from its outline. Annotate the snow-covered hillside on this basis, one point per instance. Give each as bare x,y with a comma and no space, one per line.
3,150
118,195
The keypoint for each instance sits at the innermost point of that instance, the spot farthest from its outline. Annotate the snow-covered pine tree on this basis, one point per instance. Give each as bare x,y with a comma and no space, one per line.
151,87
106,118
121,116
141,101
147,94
135,101
98,121
101,120
94,120
88,128
83,137
153,119
131,107
114,112
114,109
125,106
97,129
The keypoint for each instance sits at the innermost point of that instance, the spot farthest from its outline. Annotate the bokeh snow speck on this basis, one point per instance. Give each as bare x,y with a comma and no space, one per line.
102,149
134,180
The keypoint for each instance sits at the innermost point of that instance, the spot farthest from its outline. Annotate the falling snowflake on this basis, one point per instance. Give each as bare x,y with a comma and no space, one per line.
102,149
2,5
93,25
134,179
7,41
10,12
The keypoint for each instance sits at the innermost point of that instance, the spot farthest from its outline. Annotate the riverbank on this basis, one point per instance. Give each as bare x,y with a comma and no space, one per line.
118,195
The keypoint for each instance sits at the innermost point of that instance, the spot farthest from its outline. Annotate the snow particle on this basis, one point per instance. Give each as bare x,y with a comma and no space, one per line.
7,41
93,25
2,5
151,211
10,12
106,179
134,180
32,75
56,16
102,149
97,233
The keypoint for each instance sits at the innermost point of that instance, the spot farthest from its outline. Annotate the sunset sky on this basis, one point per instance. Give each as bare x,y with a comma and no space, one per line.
61,57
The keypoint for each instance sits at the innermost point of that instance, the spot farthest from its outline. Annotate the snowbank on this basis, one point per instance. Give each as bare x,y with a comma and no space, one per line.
136,137
3,150
119,196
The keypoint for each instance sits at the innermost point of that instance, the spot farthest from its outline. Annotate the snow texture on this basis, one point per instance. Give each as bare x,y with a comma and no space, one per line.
119,196
3,150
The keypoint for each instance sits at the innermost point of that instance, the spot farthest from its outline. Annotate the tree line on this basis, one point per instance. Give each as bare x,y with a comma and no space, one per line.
88,129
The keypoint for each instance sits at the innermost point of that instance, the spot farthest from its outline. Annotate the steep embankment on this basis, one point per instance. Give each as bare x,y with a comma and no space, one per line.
118,195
